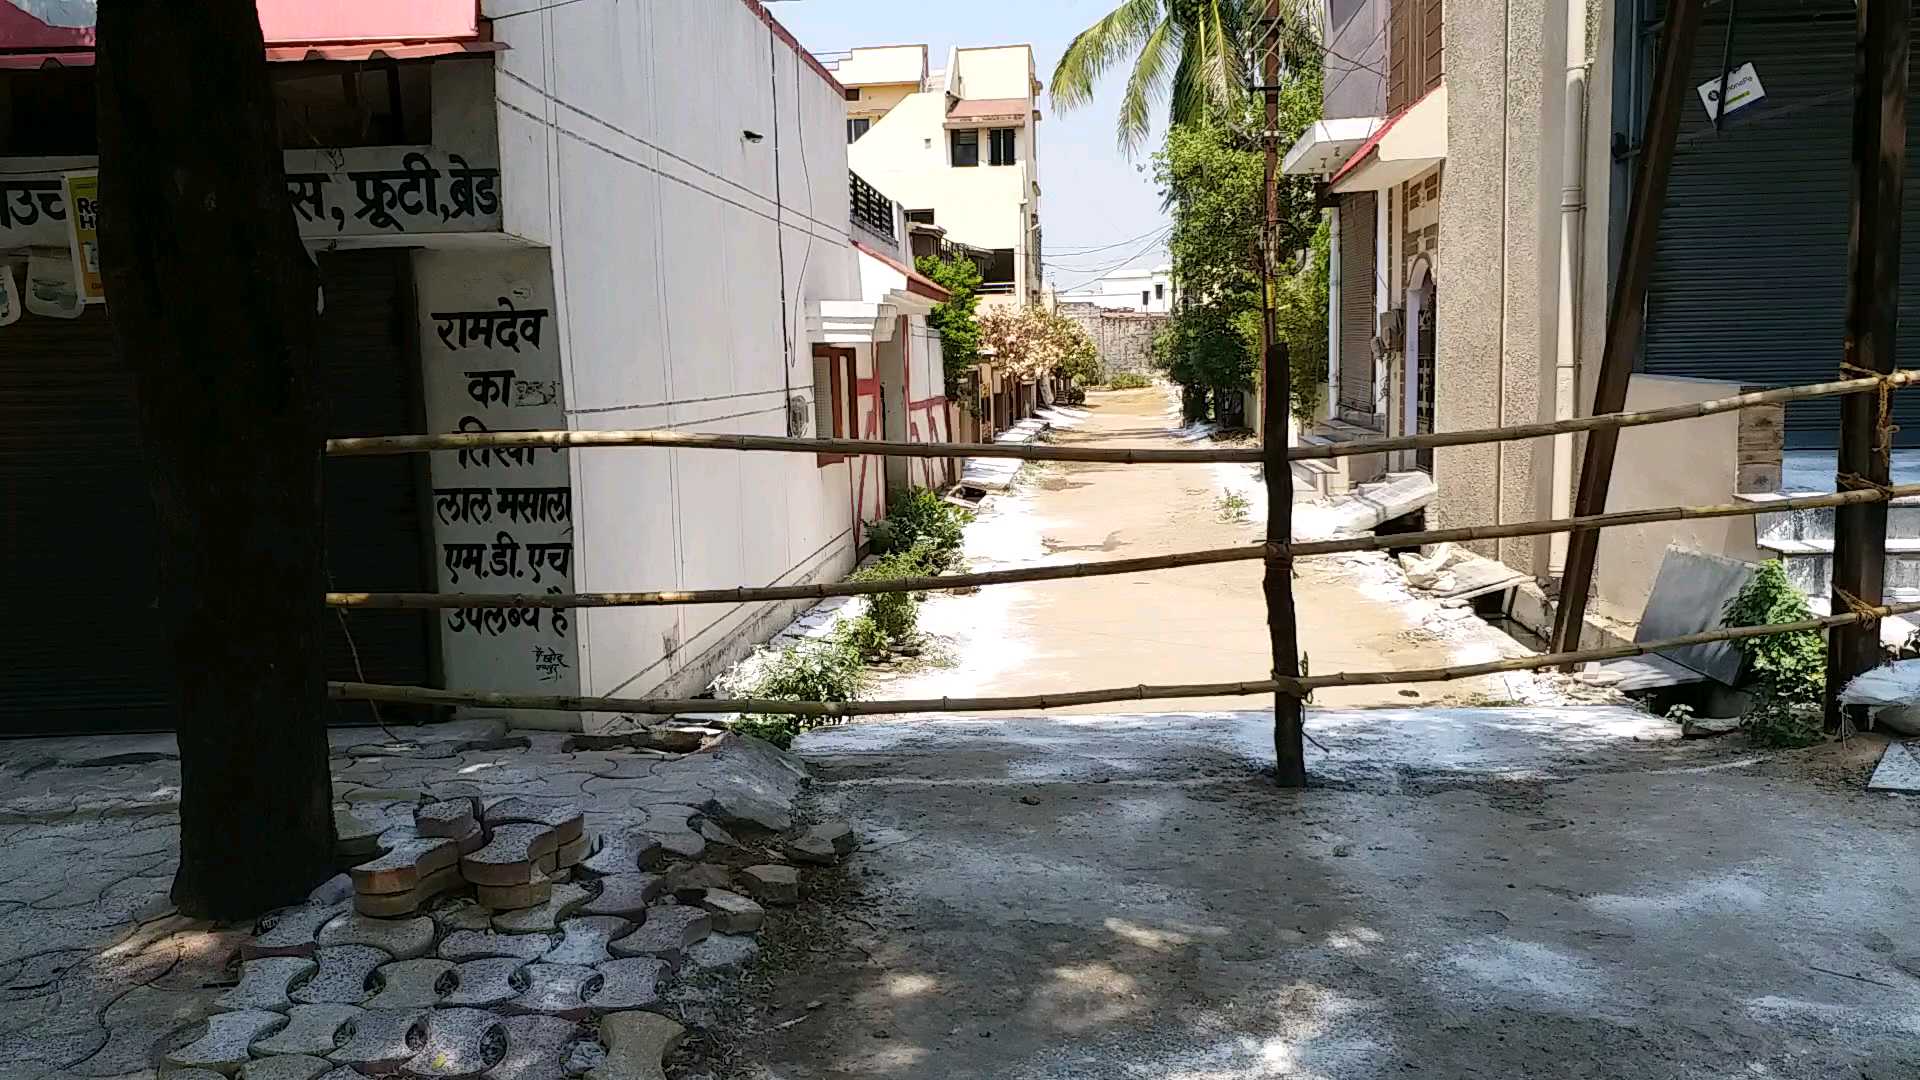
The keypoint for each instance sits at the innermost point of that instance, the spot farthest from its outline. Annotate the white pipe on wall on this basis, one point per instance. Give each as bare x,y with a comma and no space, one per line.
1573,209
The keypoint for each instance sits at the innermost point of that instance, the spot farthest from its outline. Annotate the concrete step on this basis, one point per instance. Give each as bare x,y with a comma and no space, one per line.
1809,566
1344,473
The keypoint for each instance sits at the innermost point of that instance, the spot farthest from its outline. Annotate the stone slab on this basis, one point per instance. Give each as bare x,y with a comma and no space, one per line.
1899,770
573,852
1689,595
666,934
631,983
489,982
772,883
401,904
623,853
510,855
264,982
464,945
731,913
450,819
537,890
343,975
414,984
405,866
584,940
566,899
538,1048
402,939
460,1042
290,931
637,1045
626,895
567,823
383,1041
224,1046
557,990
311,1029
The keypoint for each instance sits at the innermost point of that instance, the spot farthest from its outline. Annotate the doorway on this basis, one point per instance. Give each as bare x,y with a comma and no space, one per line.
1422,348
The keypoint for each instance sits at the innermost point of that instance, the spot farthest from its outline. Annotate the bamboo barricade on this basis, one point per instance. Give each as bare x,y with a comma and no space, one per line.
414,695
382,445
1114,567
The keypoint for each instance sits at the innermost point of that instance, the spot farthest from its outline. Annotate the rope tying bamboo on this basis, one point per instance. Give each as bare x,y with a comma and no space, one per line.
1884,424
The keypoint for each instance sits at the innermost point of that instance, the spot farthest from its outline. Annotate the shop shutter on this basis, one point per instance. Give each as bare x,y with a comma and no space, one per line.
1749,284
1358,226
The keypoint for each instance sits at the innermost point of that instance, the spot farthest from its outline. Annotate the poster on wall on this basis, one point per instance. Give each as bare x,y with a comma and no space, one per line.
9,297
83,222
51,290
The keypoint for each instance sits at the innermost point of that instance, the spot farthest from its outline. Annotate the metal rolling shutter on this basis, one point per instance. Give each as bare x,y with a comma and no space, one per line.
84,648
1750,281
1357,228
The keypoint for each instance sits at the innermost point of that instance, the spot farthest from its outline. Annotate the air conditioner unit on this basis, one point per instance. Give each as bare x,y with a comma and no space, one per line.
1392,335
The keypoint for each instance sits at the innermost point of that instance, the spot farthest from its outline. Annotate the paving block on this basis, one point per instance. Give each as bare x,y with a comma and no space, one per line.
626,895
344,1072
623,853
356,834
573,852
566,899
717,836
566,822
405,866
637,1046
731,913
194,1074
414,984
666,934
535,891
264,982
284,1067
690,881
557,990
586,939
449,819
538,1048
772,884
311,1029
223,1048
460,1042
402,939
289,931
383,1041
463,945
344,976
461,914
632,983
510,855
485,983
401,904
824,844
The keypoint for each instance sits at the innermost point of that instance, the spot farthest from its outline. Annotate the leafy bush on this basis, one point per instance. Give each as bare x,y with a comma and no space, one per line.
1786,673
957,319
866,636
921,518
1129,380
826,670
896,614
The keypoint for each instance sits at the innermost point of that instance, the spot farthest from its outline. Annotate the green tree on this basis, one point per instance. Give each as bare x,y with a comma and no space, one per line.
957,319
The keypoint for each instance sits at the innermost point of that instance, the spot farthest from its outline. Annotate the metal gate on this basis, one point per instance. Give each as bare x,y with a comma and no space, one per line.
1357,229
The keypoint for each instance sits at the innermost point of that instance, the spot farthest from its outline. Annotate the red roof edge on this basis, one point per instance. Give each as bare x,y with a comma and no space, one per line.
793,43
1373,140
917,282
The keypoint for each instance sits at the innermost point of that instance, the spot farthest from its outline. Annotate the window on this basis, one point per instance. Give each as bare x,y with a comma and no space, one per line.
966,149
833,398
1143,298
1159,290
920,217
857,127
322,105
1000,141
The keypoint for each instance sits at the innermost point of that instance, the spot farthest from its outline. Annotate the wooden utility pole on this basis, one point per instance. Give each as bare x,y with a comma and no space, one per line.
1873,317
1627,317
1290,758
212,298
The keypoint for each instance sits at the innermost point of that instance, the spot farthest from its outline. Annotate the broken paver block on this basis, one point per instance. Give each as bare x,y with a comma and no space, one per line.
460,1042
383,1041
637,1046
311,1029
691,881
264,982
285,1067
586,940
223,1048
463,945
566,899
461,914
557,990
493,981
535,892
573,852
666,934
809,849
395,905
414,984
537,1048
405,866
623,853
716,836
289,931
632,983
402,939
567,823
333,892
772,884
731,913
509,858
626,895
344,977
450,819
824,843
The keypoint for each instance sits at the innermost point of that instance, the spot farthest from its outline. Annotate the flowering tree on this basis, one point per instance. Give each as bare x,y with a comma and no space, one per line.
1032,342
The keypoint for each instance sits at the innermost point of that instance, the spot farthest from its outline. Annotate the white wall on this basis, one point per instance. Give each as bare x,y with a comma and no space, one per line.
671,232
905,155
1004,71
1122,291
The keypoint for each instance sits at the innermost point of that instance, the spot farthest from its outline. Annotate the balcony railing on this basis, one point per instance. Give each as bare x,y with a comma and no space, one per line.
995,288
871,209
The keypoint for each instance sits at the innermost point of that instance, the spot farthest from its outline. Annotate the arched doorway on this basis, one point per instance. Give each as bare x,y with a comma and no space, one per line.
1422,348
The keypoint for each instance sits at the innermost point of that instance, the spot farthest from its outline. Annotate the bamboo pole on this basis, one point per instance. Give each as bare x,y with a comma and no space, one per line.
383,445
1109,568
417,695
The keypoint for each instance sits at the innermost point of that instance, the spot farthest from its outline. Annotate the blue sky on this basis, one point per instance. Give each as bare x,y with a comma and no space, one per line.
1091,195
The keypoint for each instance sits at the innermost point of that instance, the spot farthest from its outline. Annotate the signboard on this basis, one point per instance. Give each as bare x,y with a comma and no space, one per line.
82,190
1743,89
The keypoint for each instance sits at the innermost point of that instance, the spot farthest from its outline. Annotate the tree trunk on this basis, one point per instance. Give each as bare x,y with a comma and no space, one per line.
212,300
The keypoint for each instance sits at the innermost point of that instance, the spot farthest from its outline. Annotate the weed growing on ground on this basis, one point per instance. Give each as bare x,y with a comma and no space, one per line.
1786,673
1129,380
831,669
1233,507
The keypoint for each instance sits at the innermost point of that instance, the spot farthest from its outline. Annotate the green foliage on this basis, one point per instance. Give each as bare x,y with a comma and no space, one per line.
897,614
957,319
1203,348
1233,507
919,520
1031,342
826,670
865,635
1786,673
1129,380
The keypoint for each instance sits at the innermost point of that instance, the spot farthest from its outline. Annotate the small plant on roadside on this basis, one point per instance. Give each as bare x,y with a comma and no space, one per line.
919,519
831,669
895,614
1129,380
1785,673
865,635
1233,507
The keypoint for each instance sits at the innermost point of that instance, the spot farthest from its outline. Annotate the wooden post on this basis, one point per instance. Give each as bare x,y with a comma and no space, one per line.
1873,316
1290,759
1627,317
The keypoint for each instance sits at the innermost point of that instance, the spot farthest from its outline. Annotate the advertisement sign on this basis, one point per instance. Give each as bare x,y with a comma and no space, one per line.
83,224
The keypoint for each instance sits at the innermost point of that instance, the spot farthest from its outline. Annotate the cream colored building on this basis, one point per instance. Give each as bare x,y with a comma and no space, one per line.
957,147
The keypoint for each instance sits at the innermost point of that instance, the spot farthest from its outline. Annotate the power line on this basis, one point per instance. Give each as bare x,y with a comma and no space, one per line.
1077,250
1304,37
1115,266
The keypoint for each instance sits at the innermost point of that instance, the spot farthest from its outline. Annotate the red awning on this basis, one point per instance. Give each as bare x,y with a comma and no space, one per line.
385,50
295,30
984,109
917,282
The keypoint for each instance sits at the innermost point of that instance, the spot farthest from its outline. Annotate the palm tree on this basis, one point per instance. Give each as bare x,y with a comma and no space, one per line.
1191,53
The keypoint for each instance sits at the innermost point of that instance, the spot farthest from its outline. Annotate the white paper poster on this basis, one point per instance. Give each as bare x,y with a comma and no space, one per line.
1743,89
